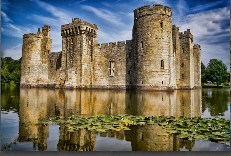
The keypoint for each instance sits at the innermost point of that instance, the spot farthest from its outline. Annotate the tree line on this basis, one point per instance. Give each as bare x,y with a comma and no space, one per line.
215,72
10,70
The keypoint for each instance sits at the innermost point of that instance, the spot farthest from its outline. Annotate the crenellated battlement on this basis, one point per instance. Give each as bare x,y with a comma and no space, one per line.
186,34
175,28
32,36
157,9
39,34
113,44
196,46
78,27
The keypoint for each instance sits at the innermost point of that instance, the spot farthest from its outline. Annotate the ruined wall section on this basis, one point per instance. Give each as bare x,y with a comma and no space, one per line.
153,49
187,60
35,52
54,67
197,65
78,40
110,65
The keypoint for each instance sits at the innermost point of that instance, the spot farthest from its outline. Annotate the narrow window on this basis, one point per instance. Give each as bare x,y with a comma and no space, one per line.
161,24
129,72
162,64
111,68
28,69
182,76
142,44
182,65
162,82
162,98
182,50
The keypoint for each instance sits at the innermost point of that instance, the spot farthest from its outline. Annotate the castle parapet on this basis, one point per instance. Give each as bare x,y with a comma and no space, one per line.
157,9
113,44
188,34
175,28
32,36
197,46
78,27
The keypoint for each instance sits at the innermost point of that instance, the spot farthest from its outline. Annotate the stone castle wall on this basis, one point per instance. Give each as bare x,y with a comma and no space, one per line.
110,65
158,57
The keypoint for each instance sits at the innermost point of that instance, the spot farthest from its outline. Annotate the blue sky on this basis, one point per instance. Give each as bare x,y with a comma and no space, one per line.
207,19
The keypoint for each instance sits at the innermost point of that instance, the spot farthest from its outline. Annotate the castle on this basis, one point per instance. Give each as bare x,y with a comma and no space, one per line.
158,57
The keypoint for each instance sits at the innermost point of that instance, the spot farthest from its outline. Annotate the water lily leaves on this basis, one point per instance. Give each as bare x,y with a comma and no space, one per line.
216,129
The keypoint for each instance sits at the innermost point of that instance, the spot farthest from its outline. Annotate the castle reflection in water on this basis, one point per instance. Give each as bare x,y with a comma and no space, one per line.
37,103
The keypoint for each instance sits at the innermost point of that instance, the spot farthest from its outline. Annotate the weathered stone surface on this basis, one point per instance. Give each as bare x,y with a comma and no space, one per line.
158,57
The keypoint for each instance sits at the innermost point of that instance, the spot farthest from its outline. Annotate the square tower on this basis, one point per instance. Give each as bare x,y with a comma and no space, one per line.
78,41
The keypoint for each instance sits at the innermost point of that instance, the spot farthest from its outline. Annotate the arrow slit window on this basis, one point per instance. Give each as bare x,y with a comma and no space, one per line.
111,68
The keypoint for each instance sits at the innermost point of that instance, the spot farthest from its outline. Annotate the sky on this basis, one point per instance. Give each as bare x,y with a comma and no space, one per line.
208,20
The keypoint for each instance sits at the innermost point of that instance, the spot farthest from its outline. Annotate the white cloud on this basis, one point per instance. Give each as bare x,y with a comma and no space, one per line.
122,35
55,11
104,14
14,52
206,6
208,31
13,30
206,23
5,17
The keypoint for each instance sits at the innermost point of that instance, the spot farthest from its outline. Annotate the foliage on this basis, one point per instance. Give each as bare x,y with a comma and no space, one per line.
215,72
203,73
10,70
216,129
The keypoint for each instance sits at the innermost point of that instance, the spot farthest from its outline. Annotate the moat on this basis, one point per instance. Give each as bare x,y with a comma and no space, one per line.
20,105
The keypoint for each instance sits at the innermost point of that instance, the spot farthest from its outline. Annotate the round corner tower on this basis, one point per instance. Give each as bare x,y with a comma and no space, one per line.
153,50
35,51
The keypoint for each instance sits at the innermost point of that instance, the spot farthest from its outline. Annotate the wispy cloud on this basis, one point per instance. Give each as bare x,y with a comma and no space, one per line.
211,30
58,18
11,29
206,23
80,1
15,52
55,11
163,2
5,17
206,6
104,14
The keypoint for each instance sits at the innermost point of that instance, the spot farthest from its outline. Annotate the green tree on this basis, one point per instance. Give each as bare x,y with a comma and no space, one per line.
203,73
216,72
10,70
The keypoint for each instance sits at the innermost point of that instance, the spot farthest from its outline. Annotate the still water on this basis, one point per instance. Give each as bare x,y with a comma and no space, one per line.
20,105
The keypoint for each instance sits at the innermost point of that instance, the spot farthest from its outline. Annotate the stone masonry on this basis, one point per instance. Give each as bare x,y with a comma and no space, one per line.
158,57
